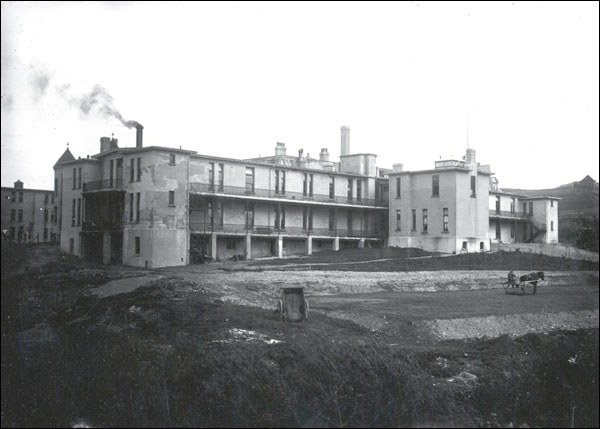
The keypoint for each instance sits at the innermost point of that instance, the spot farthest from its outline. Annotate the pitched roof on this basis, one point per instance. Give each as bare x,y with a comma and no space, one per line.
67,156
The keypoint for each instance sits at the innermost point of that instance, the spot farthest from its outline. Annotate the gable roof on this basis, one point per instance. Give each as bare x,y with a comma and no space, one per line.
67,156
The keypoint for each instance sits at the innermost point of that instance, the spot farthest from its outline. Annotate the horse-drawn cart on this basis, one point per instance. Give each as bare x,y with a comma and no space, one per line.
527,284
292,306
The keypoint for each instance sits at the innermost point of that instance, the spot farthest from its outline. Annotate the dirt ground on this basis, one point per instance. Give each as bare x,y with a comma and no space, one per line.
200,346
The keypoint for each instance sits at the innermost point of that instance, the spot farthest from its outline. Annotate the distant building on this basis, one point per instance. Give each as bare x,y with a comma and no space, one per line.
28,215
159,206
519,219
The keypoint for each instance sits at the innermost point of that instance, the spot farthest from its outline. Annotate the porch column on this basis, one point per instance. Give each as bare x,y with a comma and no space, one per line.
248,247
336,244
309,245
213,246
280,247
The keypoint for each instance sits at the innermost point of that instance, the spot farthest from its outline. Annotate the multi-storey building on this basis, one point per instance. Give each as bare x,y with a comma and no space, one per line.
158,206
519,219
28,215
444,209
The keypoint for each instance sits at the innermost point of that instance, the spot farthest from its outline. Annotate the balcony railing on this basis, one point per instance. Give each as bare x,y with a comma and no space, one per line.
508,214
100,185
101,225
202,227
287,195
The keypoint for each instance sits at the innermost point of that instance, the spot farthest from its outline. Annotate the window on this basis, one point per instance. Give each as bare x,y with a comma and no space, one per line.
481,246
349,189
445,220
20,196
172,158
13,197
231,243
283,182
71,246
497,205
137,245
79,178
279,217
524,207
551,225
13,214
331,219
435,185
512,205
137,206
131,207
132,170
473,186
249,215
414,220
331,187
497,230
221,175
310,185
512,230
73,213
398,188
45,198
75,178
12,233
531,208
111,174
249,180
211,176
305,184
305,218
45,234
220,213
425,220
310,219
398,220
276,182
172,198
78,211
551,203
209,213
358,190
139,169
45,215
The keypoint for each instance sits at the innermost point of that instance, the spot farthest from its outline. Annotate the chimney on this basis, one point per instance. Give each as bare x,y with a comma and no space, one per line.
345,141
114,143
280,149
139,130
397,168
301,159
470,156
324,155
104,144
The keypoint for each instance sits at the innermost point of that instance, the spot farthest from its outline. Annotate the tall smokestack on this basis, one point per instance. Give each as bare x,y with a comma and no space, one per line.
345,140
139,131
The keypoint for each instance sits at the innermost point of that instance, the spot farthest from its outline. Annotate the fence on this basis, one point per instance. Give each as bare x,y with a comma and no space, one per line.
548,249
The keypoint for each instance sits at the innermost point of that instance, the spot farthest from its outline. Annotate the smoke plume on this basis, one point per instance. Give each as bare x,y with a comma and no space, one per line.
99,100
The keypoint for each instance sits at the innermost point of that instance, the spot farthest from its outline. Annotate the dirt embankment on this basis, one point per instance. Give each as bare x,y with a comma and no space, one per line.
261,288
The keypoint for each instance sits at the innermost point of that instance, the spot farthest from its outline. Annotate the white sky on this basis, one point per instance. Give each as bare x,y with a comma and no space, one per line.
230,79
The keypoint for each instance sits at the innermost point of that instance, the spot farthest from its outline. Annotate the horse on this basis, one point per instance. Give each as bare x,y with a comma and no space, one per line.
533,278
